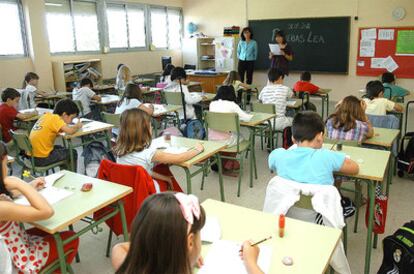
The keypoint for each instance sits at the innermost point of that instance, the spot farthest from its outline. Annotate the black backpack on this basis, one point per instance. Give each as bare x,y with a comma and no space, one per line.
406,156
399,251
287,137
93,154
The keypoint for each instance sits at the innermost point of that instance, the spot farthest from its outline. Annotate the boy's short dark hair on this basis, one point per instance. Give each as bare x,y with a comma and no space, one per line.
274,74
178,73
66,106
388,77
9,93
306,125
305,76
86,81
374,88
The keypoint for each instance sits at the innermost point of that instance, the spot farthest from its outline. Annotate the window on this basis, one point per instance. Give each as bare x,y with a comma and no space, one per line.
159,27
174,28
126,26
72,26
11,28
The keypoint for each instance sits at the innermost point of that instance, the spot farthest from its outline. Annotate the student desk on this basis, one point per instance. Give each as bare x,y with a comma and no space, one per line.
310,246
40,112
82,204
144,80
372,166
161,110
150,94
10,159
207,97
104,89
296,105
210,149
107,99
257,119
323,94
51,99
88,128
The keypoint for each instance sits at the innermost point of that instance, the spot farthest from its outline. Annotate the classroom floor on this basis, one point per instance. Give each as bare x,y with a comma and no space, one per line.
92,247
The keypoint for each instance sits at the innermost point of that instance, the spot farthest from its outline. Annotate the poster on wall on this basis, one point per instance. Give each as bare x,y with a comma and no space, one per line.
367,48
405,42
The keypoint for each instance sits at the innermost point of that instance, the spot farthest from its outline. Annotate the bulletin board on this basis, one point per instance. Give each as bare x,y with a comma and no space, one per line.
382,49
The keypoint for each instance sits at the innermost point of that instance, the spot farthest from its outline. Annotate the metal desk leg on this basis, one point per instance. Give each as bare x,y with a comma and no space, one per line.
77,259
327,105
389,174
61,253
220,170
371,194
251,155
323,106
123,220
188,176
71,157
108,135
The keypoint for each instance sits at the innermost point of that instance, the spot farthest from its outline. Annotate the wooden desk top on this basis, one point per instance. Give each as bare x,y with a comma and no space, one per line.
40,112
210,148
372,162
383,137
143,80
297,104
102,194
310,245
108,99
89,128
206,96
257,119
102,87
54,96
160,110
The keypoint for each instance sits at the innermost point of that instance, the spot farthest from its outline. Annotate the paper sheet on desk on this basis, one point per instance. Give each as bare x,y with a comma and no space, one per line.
51,194
51,179
291,103
223,257
83,120
211,231
158,109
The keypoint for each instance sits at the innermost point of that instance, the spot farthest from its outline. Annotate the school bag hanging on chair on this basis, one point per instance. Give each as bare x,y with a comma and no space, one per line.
405,161
191,128
399,251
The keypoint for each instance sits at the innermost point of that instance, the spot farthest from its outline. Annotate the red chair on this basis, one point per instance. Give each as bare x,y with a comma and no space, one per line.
133,176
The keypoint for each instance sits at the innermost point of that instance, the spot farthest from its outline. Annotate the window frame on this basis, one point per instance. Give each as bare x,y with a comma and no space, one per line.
125,6
23,32
76,51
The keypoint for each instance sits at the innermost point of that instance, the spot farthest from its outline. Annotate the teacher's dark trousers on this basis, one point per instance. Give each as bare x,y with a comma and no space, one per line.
246,67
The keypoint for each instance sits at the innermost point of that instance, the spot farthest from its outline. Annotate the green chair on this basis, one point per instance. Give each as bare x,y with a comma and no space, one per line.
229,122
80,107
110,118
273,133
173,98
358,186
24,147
52,267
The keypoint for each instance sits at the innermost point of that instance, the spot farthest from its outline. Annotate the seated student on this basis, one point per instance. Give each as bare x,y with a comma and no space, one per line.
233,79
178,75
388,80
32,249
308,162
29,91
349,122
8,112
132,98
178,217
376,103
122,78
85,95
166,76
305,84
48,127
133,147
276,93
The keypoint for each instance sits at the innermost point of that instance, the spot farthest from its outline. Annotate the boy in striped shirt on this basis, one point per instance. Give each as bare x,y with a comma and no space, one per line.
276,93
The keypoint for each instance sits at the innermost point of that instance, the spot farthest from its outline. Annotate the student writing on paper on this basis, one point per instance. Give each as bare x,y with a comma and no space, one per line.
133,147
281,61
165,79
305,85
85,95
376,103
165,238
233,79
31,250
390,88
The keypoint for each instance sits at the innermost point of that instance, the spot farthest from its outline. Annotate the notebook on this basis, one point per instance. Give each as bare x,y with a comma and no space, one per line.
51,194
223,257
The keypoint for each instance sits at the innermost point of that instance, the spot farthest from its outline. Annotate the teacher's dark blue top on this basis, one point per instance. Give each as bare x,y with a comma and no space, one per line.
247,51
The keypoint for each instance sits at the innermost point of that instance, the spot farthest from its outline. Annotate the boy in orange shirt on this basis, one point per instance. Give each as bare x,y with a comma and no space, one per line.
48,127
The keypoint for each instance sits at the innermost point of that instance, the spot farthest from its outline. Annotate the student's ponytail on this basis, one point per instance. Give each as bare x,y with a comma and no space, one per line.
28,77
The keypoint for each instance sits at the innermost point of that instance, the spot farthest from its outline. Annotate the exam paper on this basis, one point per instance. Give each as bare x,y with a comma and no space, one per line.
389,64
367,48
51,194
291,103
211,231
158,109
369,34
275,49
51,179
223,258
386,34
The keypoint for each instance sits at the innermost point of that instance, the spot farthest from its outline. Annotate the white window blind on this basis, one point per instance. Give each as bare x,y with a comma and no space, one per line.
11,29
159,27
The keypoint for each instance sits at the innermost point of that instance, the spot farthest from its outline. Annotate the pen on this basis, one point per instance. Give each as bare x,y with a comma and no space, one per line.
333,145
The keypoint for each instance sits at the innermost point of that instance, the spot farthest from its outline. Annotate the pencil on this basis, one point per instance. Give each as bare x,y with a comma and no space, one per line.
261,241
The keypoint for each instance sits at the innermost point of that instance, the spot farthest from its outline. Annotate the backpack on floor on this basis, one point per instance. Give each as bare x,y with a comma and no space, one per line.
93,154
287,137
399,251
406,156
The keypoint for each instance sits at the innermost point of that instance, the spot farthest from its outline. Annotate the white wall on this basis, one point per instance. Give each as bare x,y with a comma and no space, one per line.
213,15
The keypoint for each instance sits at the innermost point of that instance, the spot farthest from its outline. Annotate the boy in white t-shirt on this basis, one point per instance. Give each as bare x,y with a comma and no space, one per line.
276,93
376,103
85,95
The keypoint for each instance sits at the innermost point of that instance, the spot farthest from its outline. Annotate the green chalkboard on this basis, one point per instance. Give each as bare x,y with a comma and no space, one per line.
318,44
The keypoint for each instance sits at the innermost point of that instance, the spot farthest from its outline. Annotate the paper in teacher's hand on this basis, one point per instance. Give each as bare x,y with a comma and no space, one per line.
275,49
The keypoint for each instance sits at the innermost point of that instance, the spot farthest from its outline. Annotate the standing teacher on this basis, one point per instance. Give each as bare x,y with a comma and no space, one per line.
281,61
247,54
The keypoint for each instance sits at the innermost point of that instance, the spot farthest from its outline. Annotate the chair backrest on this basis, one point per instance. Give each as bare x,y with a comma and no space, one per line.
264,108
21,141
222,121
384,121
110,118
173,98
390,92
343,142
304,202
79,105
